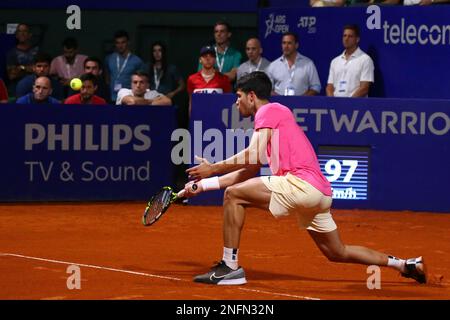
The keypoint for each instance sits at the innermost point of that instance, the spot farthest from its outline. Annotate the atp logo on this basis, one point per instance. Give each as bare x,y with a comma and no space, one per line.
276,24
308,23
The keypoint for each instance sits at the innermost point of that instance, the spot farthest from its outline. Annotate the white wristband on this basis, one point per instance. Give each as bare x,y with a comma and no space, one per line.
210,183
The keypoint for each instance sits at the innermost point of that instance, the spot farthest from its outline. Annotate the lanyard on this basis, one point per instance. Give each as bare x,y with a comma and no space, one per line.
257,67
120,69
219,63
156,78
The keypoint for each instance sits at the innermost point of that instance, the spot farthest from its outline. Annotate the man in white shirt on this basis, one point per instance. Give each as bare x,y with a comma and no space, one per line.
352,72
255,62
140,94
293,74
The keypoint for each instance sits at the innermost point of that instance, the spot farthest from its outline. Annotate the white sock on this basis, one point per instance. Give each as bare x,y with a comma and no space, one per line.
230,256
396,263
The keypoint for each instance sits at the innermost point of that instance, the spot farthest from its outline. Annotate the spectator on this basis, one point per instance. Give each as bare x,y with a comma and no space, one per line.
255,62
207,80
164,77
422,2
41,67
42,90
293,74
327,3
87,92
93,65
121,64
3,92
352,72
19,60
228,59
140,94
69,65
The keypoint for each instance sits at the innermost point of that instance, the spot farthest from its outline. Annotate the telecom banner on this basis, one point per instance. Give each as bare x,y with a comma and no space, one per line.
409,45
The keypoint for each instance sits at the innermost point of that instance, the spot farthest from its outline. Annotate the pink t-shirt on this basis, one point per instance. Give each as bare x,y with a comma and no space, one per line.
295,153
63,70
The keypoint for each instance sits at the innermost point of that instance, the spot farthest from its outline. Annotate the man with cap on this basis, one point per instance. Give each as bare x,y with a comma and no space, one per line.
208,79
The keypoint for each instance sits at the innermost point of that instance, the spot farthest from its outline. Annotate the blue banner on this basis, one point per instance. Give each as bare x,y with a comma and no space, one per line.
172,5
66,152
410,46
403,146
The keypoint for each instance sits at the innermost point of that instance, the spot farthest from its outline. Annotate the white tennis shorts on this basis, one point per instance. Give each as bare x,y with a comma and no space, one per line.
291,194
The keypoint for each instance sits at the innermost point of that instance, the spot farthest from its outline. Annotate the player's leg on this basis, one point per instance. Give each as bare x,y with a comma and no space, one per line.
335,250
250,193
332,247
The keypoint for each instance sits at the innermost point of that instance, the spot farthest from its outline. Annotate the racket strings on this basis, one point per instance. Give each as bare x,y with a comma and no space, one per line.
158,204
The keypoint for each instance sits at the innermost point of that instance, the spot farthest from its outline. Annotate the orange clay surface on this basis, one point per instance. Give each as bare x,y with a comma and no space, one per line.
119,258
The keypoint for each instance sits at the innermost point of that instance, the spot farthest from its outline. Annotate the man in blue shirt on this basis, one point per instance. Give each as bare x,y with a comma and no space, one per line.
41,68
42,89
293,74
121,64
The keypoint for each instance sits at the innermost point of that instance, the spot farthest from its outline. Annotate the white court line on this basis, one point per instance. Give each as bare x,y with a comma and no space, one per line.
147,274
279,294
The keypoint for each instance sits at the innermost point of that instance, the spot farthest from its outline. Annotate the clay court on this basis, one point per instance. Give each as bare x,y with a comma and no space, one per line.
119,258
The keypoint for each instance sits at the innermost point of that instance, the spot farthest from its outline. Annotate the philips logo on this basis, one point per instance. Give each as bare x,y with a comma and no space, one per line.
77,137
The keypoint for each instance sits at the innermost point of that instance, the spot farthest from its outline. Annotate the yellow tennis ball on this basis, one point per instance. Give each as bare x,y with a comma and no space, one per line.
75,84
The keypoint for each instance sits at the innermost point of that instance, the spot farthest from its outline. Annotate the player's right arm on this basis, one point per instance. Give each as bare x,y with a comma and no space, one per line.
254,154
226,180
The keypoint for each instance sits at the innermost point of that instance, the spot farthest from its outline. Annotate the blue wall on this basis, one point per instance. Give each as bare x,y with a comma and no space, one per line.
171,5
68,153
406,66
409,143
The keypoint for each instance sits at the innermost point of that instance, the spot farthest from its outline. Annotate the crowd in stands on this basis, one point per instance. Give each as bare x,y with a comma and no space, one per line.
125,79
343,3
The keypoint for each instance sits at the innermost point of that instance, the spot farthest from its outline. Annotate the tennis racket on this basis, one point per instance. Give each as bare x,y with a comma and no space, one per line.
160,202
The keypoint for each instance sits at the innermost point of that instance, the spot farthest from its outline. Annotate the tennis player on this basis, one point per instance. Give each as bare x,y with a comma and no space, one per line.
297,186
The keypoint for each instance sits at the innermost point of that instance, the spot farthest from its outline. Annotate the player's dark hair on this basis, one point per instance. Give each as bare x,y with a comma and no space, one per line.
292,34
42,57
70,43
94,59
258,82
353,27
121,34
89,77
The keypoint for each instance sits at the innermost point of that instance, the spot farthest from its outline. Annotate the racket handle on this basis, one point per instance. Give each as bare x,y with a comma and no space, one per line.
181,193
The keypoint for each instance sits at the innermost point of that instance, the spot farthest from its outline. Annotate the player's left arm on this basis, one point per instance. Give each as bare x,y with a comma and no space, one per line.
254,154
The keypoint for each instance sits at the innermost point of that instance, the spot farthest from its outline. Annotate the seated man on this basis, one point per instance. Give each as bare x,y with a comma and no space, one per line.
140,94
41,68
42,89
94,66
69,65
87,92
19,59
